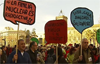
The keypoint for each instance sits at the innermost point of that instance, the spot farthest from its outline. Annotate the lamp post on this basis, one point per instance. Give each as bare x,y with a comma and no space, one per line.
4,41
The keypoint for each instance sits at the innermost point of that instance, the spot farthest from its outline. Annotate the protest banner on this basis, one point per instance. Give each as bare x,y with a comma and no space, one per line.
56,31
19,11
81,18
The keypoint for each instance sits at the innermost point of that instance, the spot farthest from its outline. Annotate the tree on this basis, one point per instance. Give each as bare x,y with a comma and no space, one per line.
91,34
33,34
28,33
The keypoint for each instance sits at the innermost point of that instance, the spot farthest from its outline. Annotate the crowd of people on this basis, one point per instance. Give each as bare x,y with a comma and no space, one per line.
35,54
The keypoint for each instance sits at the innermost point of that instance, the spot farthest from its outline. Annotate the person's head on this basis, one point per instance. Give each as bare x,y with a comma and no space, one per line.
59,45
91,46
8,45
52,46
94,51
21,45
77,46
72,50
0,52
33,46
15,46
43,49
84,43
39,47
4,48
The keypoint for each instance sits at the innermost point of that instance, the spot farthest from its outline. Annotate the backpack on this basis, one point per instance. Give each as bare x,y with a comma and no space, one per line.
50,59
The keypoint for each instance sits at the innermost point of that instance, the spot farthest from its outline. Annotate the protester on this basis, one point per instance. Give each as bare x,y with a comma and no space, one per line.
21,56
91,47
94,51
77,47
40,56
43,52
61,59
39,48
33,52
4,55
1,61
98,61
9,50
51,58
70,55
68,49
64,51
86,56
14,48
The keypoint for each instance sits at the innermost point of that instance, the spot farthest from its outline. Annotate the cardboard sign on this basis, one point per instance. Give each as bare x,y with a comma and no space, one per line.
81,18
19,11
56,31
98,36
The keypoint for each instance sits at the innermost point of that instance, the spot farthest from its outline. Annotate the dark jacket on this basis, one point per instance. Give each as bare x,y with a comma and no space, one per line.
33,56
1,61
61,60
86,54
25,58
4,56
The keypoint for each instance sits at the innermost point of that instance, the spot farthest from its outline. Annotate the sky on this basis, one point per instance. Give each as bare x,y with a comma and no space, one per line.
48,10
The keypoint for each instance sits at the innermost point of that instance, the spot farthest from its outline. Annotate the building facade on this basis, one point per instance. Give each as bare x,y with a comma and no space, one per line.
10,37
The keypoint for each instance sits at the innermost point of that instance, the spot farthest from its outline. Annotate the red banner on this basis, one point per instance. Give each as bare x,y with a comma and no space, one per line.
56,31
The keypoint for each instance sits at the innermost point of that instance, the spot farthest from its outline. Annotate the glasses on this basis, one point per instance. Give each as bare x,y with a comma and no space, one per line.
85,42
35,45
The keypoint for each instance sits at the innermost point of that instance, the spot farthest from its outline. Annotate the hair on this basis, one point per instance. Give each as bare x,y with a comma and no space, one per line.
91,45
95,50
84,39
77,45
72,49
59,45
20,40
3,47
32,43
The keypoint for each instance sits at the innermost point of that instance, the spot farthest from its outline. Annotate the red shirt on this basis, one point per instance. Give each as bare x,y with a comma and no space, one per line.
67,51
96,57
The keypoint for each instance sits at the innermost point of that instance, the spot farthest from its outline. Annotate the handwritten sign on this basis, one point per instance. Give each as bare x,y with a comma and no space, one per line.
98,36
81,18
56,31
19,11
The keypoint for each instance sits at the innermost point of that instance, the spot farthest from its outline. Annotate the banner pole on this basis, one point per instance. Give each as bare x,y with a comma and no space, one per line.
17,41
56,53
99,49
81,44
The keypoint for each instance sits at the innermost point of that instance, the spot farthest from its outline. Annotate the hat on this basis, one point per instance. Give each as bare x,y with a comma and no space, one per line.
70,45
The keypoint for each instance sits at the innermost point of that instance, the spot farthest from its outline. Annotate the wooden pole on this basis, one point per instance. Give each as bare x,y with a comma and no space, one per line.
17,41
99,49
81,44
56,54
